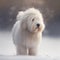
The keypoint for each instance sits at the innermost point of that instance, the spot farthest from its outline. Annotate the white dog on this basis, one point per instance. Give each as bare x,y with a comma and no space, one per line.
27,32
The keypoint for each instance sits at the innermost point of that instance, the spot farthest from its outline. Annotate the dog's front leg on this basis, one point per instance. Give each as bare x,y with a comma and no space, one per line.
21,50
33,51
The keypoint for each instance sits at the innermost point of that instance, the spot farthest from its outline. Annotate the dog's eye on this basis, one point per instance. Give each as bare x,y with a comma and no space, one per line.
33,19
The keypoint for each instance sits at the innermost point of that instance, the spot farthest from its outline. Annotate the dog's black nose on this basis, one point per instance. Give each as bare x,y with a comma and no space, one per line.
38,25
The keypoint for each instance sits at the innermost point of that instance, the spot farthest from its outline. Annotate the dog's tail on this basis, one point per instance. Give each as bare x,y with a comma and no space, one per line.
19,15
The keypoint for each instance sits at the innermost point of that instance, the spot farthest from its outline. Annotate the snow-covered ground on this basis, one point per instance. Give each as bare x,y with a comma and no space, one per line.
26,58
50,47
6,44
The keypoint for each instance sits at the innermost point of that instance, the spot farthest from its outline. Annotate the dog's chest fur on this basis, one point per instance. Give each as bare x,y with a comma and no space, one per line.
30,40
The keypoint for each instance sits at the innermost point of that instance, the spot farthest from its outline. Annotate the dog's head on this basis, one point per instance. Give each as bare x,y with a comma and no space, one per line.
33,20
35,24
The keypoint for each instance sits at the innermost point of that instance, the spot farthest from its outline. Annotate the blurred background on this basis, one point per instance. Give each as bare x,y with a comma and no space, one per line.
51,13
50,10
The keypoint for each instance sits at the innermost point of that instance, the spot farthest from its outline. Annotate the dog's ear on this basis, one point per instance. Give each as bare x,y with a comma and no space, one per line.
19,15
42,27
24,25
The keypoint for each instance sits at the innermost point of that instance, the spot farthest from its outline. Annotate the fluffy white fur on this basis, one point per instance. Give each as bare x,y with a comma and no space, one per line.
26,34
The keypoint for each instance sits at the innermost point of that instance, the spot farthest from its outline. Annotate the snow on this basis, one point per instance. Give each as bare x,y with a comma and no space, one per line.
49,50
25,58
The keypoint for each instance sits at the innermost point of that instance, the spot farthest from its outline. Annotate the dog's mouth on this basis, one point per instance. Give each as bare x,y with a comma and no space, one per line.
37,29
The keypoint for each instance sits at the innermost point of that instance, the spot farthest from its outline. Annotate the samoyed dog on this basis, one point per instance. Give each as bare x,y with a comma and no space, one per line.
27,32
